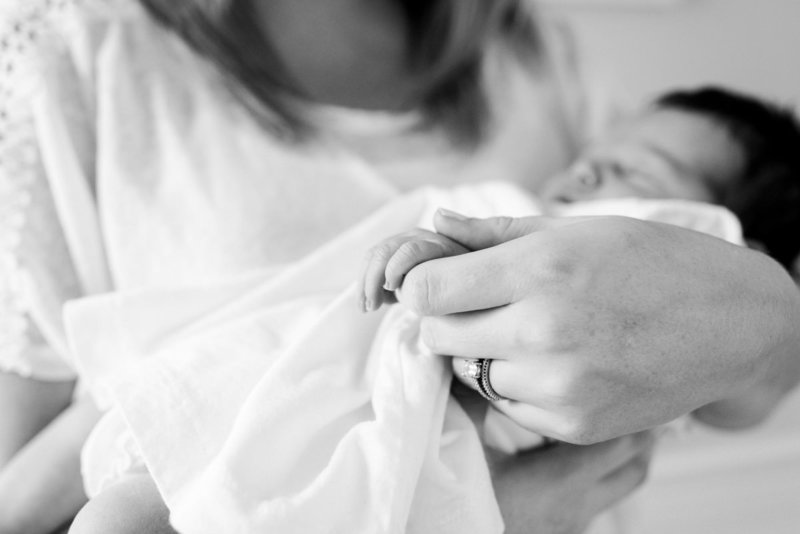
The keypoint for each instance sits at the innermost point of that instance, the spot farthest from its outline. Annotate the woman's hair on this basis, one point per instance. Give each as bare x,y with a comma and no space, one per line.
447,44
766,193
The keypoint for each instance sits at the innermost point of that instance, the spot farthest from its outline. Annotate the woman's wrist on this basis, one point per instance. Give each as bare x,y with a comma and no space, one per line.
780,357
775,363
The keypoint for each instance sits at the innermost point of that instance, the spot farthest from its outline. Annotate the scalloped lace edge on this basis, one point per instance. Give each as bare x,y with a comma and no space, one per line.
25,24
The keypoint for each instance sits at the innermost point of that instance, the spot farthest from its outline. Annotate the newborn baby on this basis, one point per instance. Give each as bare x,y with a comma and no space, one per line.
710,146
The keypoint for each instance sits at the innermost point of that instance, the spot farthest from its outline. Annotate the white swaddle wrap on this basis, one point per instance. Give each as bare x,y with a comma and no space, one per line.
269,403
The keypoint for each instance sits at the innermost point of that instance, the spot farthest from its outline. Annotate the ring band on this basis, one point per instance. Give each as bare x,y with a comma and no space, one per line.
486,388
476,374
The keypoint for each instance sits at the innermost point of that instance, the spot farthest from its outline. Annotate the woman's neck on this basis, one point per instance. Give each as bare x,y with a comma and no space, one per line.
350,53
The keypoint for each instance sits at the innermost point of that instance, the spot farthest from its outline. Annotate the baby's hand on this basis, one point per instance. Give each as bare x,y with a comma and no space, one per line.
388,262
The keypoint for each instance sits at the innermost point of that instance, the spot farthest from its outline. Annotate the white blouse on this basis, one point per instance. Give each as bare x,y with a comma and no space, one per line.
125,163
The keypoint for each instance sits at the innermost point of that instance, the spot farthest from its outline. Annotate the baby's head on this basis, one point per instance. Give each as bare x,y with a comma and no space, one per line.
709,145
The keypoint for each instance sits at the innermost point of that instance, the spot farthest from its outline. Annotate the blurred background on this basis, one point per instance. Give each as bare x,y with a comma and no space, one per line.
644,46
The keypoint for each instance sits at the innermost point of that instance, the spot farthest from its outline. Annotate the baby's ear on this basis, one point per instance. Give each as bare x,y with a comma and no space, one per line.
795,271
755,244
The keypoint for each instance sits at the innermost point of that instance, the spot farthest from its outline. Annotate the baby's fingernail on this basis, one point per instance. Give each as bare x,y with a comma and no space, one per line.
369,305
388,286
451,214
362,303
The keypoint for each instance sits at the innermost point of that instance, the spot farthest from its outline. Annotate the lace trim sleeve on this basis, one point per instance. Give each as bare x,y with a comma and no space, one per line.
36,272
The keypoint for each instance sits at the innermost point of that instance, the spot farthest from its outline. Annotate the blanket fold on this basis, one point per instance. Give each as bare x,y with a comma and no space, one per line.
268,403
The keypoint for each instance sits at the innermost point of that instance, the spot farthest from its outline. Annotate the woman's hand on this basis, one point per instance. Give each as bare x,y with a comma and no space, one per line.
560,490
605,326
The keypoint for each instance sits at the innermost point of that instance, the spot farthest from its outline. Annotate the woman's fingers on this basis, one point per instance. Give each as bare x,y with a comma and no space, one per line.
542,402
563,488
503,376
459,284
598,463
470,335
478,234
609,457
491,277
515,331
542,420
436,288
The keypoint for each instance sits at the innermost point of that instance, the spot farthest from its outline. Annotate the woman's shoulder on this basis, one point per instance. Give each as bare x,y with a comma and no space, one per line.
38,36
32,24
95,23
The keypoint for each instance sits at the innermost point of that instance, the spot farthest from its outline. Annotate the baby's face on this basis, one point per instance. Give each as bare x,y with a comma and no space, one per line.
660,153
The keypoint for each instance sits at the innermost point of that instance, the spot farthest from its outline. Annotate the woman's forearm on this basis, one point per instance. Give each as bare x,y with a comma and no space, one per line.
754,406
41,488
779,371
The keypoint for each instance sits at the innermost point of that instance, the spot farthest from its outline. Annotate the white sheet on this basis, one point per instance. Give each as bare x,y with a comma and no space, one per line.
269,403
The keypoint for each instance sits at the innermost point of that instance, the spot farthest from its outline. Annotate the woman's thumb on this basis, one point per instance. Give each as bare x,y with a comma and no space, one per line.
476,234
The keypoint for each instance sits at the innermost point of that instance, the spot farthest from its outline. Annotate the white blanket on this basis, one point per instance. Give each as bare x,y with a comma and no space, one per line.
269,403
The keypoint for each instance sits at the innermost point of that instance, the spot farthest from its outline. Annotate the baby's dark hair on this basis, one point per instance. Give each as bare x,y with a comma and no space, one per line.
766,194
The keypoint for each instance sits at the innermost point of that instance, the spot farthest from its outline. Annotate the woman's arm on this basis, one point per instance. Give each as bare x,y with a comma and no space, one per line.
753,405
600,327
41,486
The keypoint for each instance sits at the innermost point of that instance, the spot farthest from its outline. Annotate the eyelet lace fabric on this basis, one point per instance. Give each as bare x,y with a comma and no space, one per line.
32,247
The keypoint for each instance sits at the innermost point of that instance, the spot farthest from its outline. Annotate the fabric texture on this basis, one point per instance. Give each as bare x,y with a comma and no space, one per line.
272,404
37,273
282,407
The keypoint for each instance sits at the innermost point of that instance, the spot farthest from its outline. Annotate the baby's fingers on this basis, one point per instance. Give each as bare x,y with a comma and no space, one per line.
387,263
412,253
372,277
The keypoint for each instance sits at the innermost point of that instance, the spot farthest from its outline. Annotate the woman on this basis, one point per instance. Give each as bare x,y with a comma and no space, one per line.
178,142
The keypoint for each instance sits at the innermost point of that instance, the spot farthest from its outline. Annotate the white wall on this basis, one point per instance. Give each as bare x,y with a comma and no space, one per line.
751,45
